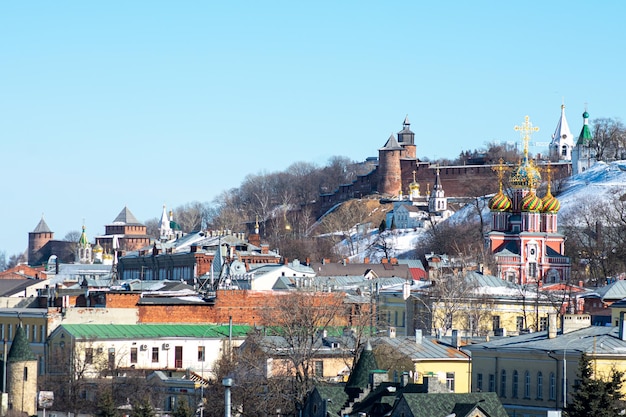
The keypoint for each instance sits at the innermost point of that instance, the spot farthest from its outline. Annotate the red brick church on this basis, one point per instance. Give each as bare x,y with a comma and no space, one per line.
524,237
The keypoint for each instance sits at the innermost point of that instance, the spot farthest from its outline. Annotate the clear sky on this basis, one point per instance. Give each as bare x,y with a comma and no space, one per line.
106,104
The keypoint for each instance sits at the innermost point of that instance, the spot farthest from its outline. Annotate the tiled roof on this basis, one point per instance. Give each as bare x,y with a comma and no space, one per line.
151,331
442,404
359,377
20,348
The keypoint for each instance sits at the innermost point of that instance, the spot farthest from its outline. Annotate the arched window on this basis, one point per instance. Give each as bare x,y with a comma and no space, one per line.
515,384
539,386
552,386
527,384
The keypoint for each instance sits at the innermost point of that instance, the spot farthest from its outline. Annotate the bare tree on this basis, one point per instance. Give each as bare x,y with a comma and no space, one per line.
300,318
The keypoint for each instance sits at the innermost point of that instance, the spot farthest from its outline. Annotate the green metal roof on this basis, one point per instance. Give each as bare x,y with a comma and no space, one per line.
150,331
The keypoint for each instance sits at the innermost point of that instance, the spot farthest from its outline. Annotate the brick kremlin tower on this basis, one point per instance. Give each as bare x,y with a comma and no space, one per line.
524,238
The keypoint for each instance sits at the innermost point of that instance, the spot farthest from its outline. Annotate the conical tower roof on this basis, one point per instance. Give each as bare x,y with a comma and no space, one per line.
83,242
126,217
391,144
585,134
359,378
20,348
42,227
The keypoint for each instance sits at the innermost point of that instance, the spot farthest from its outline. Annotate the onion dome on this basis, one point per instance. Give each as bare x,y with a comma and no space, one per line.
526,175
531,203
550,203
500,202
98,248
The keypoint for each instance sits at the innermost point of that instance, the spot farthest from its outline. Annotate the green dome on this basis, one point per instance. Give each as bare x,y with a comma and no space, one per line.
550,204
585,115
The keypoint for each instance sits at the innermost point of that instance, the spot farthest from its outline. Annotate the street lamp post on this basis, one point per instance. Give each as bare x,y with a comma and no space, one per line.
565,372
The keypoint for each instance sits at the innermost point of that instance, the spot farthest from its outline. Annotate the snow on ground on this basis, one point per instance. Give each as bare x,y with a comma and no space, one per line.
601,182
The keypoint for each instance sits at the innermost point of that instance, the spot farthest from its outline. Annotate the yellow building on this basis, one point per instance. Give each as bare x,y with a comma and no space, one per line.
527,370
476,305
35,325
423,356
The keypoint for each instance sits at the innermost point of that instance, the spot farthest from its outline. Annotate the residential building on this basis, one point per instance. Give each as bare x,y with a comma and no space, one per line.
430,358
527,371
107,349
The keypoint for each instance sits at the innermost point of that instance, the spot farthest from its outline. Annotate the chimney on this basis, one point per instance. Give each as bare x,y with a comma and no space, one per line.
552,326
391,332
366,260
376,377
265,249
404,379
573,322
622,326
406,289
455,339
418,336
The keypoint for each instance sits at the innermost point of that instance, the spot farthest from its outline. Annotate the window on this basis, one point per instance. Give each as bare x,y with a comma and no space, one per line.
495,321
201,354
25,373
133,355
112,358
155,354
479,382
450,381
319,369
519,323
89,355
503,384
515,384
543,324
532,269
539,386
492,383
526,384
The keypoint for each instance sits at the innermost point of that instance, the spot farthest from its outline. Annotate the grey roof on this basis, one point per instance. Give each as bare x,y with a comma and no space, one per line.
614,291
126,217
356,269
591,340
42,227
412,263
392,144
429,348
9,287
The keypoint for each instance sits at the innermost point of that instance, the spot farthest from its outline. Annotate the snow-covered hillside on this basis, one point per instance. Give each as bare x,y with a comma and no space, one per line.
600,182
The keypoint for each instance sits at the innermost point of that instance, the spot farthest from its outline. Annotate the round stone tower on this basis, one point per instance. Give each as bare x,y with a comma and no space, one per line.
37,240
389,170
22,375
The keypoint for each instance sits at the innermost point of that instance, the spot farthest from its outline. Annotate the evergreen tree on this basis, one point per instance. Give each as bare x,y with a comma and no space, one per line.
383,226
142,409
182,408
106,405
593,396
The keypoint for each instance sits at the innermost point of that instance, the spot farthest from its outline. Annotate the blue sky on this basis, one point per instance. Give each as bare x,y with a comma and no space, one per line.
144,103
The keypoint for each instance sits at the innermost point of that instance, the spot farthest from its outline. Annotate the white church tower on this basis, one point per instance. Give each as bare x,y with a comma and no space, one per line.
562,140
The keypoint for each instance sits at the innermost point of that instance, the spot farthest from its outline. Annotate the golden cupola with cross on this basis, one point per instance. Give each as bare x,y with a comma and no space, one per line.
524,239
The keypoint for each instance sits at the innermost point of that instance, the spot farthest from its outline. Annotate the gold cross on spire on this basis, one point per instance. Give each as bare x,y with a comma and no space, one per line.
526,129
500,170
